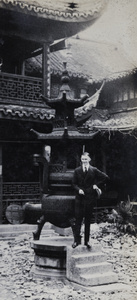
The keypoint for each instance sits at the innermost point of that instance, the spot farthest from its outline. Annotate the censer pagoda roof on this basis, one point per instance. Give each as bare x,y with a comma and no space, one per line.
68,133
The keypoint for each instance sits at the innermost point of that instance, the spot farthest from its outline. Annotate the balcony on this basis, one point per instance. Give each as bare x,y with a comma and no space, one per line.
20,90
20,99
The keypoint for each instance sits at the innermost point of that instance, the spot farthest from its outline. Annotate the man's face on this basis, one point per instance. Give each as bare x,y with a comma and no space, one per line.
85,160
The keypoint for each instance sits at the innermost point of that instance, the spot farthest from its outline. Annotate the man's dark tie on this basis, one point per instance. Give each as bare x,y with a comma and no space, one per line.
85,171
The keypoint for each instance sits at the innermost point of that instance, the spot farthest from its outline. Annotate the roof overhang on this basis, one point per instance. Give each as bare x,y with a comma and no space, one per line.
47,20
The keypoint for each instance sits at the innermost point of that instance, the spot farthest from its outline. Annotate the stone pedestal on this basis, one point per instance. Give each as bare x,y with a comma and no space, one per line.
50,257
55,258
89,267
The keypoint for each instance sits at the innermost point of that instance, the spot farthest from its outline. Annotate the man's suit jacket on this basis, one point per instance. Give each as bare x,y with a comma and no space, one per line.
86,181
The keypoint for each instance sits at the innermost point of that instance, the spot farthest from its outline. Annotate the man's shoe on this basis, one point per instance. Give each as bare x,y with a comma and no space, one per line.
88,245
75,244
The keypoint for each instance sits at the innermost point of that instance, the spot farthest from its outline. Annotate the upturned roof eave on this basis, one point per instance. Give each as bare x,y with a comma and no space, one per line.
63,134
54,12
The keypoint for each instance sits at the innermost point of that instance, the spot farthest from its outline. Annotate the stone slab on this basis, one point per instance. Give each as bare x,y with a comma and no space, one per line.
47,273
104,288
55,243
98,278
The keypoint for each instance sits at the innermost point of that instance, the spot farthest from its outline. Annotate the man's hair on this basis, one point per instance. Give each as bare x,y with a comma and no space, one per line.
86,154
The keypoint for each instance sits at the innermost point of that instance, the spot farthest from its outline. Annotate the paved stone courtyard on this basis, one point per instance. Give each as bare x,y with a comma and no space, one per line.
16,260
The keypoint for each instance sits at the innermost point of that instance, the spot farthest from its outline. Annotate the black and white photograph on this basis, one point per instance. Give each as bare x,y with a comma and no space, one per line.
68,150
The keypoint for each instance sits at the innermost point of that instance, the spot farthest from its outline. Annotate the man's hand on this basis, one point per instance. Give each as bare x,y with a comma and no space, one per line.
99,192
81,192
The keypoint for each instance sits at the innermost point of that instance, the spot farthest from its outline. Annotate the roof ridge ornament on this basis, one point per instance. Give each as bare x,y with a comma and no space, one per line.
72,5
65,75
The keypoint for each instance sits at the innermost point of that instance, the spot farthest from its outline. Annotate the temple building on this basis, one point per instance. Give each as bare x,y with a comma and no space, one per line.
28,28
81,105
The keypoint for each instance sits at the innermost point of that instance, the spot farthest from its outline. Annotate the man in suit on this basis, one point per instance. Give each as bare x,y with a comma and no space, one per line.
85,180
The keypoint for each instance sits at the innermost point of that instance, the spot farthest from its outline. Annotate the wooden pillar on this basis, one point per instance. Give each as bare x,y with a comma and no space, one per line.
1,182
103,153
46,70
23,68
46,161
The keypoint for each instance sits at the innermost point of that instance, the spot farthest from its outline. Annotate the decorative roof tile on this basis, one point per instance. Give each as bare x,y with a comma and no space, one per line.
20,111
79,9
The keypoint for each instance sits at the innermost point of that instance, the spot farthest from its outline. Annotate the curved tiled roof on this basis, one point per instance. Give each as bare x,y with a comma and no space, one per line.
103,120
86,59
21,111
78,9
93,60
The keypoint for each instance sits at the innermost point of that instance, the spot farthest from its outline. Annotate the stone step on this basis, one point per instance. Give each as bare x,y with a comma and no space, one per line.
111,288
93,268
4,228
17,233
98,278
84,266
21,227
82,249
10,231
90,257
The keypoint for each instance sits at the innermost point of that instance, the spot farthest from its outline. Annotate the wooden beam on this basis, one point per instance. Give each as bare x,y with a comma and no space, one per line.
46,70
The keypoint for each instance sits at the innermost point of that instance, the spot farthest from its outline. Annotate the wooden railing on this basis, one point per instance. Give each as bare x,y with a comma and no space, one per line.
20,193
17,89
